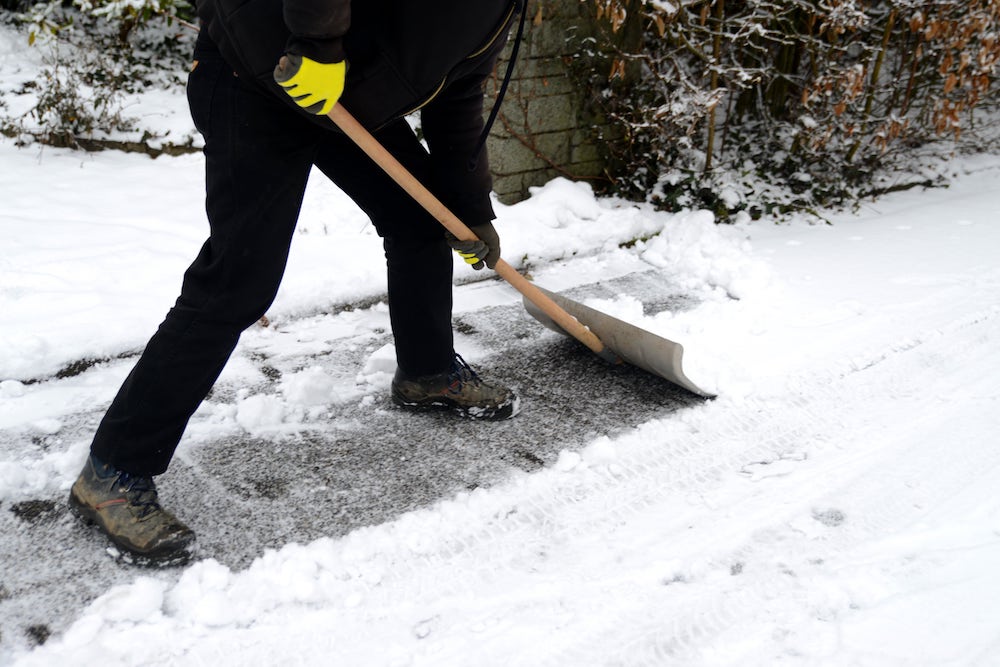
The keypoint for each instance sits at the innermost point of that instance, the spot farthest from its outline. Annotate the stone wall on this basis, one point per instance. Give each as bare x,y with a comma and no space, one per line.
543,129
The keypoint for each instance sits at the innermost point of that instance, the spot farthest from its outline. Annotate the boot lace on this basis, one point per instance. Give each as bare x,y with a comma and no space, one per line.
140,491
460,374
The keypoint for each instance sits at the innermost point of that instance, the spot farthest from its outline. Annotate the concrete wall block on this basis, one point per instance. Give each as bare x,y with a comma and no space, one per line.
587,170
527,87
557,20
583,150
556,146
514,157
544,149
543,106
547,65
538,115
549,114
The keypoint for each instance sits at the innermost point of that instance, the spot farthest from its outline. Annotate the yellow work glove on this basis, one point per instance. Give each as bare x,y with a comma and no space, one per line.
484,252
314,86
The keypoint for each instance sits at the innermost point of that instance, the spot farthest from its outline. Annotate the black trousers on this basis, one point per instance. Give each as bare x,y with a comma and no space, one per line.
258,155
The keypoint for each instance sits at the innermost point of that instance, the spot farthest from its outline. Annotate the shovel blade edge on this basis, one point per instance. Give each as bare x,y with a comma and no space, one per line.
638,347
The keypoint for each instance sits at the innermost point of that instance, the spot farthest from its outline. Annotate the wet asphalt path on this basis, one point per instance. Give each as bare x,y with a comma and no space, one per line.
369,463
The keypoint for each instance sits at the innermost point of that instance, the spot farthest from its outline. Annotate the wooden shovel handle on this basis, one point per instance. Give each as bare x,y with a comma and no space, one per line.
371,146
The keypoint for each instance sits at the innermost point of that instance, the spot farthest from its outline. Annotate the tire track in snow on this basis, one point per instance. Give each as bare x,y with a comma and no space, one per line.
724,558
922,475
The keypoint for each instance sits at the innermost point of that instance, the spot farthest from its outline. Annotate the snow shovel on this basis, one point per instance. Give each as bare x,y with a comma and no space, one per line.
611,339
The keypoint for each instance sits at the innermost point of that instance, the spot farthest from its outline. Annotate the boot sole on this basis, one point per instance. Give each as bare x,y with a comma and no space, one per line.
500,413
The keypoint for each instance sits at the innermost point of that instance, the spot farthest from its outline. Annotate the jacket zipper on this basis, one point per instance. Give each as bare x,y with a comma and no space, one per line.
493,38
428,99
489,43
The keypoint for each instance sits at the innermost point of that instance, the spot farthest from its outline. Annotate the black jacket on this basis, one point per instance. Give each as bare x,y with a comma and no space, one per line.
403,55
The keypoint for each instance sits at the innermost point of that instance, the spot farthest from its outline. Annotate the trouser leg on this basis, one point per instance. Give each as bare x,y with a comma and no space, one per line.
418,259
258,157
420,303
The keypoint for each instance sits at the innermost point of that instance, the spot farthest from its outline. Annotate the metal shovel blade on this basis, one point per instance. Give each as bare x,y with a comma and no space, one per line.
606,336
636,346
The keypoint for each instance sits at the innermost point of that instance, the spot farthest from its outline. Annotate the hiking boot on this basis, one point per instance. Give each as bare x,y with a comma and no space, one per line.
460,390
125,508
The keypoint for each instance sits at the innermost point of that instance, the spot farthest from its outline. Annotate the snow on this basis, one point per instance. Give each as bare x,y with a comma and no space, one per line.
835,505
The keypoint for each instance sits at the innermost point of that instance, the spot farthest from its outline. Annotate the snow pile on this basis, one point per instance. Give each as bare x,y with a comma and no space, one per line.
380,367
65,300
564,219
699,253
304,397
41,475
716,264
260,413
310,387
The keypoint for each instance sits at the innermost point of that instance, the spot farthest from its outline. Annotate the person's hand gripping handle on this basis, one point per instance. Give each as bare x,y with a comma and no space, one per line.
312,85
484,251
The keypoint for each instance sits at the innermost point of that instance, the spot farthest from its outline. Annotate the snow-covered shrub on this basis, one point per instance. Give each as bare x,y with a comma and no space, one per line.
92,52
813,97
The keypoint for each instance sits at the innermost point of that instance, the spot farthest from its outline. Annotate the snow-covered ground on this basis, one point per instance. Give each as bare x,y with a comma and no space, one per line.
835,505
